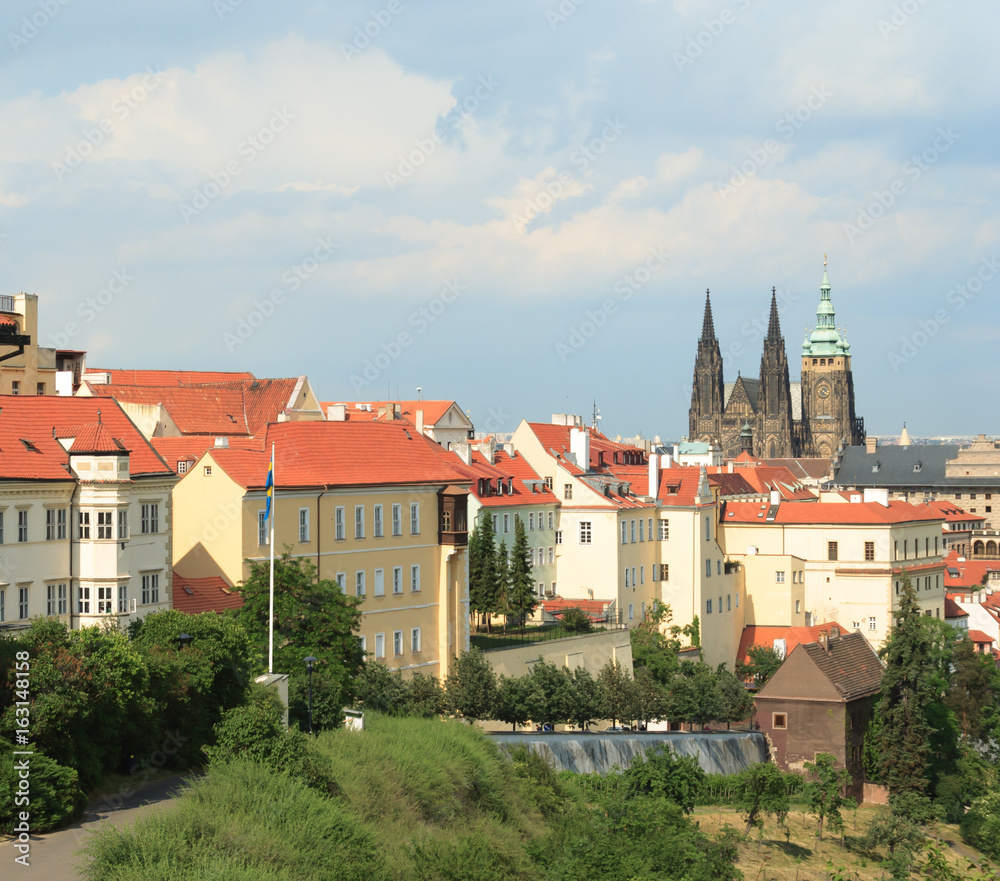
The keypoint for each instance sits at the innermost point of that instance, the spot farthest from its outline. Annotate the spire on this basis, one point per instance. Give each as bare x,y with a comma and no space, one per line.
774,326
707,325
825,339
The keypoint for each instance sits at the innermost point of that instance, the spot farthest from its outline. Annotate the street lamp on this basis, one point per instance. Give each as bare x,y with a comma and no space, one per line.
309,666
184,639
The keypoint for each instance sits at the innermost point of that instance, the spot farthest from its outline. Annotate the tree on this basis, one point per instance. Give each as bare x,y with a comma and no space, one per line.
424,696
823,791
902,731
576,620
736,702
549,694
618,691
521,598
380,689
512,700
655,644
501,596
650,697
902,839
483,577
973,694
471,687
764,663
663,774
761,790
312,616
694,695
585,705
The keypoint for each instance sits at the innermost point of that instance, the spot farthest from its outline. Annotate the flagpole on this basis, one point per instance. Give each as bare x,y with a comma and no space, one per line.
270,616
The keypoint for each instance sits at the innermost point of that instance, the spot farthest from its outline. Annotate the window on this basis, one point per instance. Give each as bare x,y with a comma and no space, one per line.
414,518
150,589
3,610
83,600
871,623
708,607
415,578
906,549
779,720
338,523
585,532
551,520
122,599
649,531
149,519
39,388
632,532
729,602
379,645
61,595
103,531
50,525
895,550
50,600
496,523
208,471
22,603
664,530
664,572
415,640
831,550
718,567
261,527
83,525
397,519
624,532
359,583
798,605
568,491
552,556
506,522
642,575
531,558
531,521
303,525
182,466
626,576
631,612
341,579
708,568
869,551
15,387
359,521
380,582
779,577
363,642
22,526
640,531
558,536
708,528
377,527
397,642
548,483
104,599
397,579
541,588
122,525
60,525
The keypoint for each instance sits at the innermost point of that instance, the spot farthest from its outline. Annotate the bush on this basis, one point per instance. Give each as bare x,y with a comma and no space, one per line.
663,774
981,825
55,794
575,620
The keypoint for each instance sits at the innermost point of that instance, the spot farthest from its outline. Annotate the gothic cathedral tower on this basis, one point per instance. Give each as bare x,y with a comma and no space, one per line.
828,416
773,437
707,400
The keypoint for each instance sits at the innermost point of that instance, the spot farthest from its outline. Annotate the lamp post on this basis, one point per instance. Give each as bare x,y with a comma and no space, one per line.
309,666
184,639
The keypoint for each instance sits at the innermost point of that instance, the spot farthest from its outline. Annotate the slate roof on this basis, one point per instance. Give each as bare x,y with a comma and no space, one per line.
750,386
850,664
802,468
760,634
896,464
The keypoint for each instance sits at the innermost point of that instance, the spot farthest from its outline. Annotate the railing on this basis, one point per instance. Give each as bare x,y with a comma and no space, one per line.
491,642
6,304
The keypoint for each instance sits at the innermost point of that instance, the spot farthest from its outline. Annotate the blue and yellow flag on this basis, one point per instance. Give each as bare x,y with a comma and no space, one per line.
269,487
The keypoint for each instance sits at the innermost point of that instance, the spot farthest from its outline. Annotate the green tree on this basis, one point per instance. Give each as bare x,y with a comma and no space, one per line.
764,663
483,574
761,790
521,597
902,730
512,700
973,694
549,694
655,644
585,705
424,696
501,599
736,702
693,695
379,689
663,774
471,687
618,690
900,837
650,697
824,792
576,620
312,617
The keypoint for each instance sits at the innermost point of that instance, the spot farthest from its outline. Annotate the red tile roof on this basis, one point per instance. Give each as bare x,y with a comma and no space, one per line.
952,609
238,408
979,636
315,454
757,634
732,484
191,447
368,411
170,377
801,512
602,449
505,466
212,594
951,512
6,320
806,468
765,478
969,573
95,439
595,609
30,451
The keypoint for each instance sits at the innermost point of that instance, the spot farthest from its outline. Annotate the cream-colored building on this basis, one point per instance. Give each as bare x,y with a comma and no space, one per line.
26,368
841,559
444,422
85,514
376,507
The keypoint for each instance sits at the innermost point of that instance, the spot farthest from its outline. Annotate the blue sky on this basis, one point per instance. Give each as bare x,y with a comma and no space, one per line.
518,205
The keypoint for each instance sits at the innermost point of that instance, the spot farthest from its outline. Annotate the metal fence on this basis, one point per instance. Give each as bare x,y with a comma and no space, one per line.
513,639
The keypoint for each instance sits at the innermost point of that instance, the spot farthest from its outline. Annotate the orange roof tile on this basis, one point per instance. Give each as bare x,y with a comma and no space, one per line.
433,410
211,594
802,512
979,636
96,439
190,448
952,609
170,377
757,634
951,512
967,574
31,424
505,467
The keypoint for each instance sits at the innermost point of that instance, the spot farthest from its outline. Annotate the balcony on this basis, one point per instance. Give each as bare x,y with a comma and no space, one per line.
6,304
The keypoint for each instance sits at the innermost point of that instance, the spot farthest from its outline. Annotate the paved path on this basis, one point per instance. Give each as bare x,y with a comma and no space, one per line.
54,856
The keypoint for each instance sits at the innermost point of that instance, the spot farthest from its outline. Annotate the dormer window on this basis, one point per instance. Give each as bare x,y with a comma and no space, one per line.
510,486
875,467
499,486
917,467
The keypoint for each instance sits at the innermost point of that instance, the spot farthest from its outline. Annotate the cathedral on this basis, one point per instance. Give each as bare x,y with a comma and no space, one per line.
772,417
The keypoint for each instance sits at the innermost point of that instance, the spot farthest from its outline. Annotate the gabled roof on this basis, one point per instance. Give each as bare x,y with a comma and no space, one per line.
211,594
765,635
595,609
914,465
368,411
765,478
802,468
679,485
529,488
979,637
951,512
30,426
953,609
850,663
961,573
168,377
190,448
804,512
237,408
95,439
336,454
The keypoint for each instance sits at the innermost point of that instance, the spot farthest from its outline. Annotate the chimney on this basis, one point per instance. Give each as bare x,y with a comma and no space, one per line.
824,641
383,412
775,497
463,451
881,496
337,413
579,445
730,466
508,448
871,443
420,421
834,633
489,451
667,461
222,443
654,476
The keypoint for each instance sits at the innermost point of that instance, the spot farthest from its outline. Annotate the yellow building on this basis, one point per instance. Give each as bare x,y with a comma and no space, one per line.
26,367
375,506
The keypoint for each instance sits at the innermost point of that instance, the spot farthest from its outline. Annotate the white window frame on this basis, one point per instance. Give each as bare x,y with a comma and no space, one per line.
397,580
122,599
105,529
377,528
339,532
83,526
414,640
123,525
397,519
414,518
359,521
586,532
379,646
303,525
632,531
360,588
664,529
262,536
415,578
624,532
104,600
22,526
379,589
149,518
779,576
397,643
341,579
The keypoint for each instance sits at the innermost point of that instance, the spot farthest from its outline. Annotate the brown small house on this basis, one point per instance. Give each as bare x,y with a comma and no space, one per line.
821,700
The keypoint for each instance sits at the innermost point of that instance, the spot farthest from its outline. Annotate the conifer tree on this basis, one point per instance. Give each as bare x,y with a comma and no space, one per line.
501,596
521,597
483,567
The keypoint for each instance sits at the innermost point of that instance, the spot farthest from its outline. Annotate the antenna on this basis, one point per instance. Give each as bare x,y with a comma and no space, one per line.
597,416
419,390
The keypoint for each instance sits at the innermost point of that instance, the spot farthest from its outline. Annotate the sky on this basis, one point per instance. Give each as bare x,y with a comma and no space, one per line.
518,206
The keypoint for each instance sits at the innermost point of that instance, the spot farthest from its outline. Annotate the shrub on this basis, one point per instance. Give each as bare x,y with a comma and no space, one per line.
575,620
55,794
